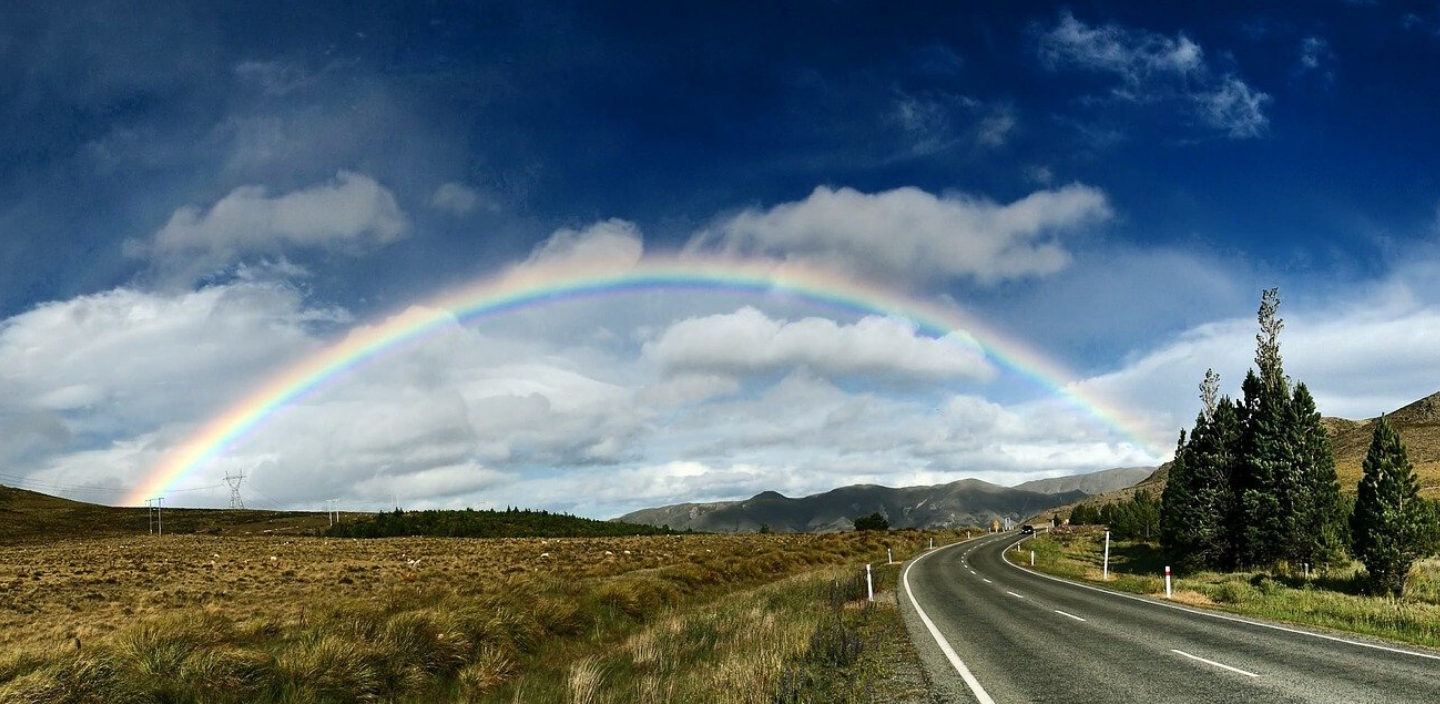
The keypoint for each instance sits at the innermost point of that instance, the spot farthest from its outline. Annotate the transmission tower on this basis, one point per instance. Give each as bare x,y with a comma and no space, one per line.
234,482
157,526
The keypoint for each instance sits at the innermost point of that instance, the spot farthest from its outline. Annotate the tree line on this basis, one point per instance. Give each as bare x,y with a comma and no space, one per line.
469,523
1253,485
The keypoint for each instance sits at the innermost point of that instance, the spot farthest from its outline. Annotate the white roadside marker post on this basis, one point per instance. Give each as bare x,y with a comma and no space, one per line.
869,585
932,543
1105,568
1032,558
1167,581
889,557
1307,571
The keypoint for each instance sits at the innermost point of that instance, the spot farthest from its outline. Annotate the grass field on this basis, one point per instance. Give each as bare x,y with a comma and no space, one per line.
1329,600
274,619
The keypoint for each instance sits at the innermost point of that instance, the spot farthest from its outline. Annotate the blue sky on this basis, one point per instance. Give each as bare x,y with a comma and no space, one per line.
192,197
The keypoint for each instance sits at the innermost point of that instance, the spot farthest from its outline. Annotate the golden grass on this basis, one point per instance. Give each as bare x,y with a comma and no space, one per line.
232,619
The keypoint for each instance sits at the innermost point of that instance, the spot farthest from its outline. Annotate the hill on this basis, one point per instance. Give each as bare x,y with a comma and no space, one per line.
1418,424
1092,483
968,502
29,515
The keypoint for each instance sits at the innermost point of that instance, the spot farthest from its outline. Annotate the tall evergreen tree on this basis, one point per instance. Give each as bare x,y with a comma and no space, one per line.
1198,502
1269,475
1263,486
1389,526
1320,519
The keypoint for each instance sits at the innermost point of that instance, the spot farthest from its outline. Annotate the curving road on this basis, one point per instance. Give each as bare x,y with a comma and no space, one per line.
1016,636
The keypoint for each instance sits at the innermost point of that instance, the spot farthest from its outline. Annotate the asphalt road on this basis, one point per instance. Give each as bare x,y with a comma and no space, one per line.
1024,637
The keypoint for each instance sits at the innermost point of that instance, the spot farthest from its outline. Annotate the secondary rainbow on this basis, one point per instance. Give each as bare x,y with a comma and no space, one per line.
534,287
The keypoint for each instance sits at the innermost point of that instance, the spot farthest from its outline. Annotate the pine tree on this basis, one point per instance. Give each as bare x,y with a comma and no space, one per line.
1199,502
1319,512
1389,526
1261,481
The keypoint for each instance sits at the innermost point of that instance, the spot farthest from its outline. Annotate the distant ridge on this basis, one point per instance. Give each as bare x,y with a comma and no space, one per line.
967,502
1418,424
1092,483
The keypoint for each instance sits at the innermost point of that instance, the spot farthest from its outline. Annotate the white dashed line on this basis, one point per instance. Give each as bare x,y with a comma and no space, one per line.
1212,662
987,581
980,694
1062,613
1017,596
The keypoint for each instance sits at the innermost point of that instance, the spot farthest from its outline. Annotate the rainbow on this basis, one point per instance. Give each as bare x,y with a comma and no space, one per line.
531,287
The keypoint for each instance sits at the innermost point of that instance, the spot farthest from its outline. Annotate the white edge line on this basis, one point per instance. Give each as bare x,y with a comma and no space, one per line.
1220,665
950,654
1077,618
1223,617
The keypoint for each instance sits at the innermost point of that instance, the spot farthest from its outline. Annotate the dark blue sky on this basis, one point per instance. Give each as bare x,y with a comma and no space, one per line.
1206,149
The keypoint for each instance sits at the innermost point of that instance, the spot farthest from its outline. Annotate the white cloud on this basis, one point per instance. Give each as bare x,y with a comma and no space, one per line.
908,234
1152,67
127,358
1236,108
459,199
1137,57
1373,353
351,213
994,131
748,341
608,243
1313,51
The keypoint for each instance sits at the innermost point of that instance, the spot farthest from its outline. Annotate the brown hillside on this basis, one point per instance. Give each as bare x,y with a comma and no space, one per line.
1418,424
29,516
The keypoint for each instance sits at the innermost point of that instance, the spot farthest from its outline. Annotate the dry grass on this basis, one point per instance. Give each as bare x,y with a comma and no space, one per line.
251,619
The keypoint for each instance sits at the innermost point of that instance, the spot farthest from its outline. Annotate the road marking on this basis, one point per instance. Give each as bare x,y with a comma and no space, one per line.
987,581
1224,617
1077,618
970,681
1017,596
1222,666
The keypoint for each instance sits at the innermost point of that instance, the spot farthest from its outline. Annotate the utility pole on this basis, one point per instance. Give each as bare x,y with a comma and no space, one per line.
234,482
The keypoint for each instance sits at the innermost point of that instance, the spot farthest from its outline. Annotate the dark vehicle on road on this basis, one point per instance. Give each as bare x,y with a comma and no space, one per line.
1027,530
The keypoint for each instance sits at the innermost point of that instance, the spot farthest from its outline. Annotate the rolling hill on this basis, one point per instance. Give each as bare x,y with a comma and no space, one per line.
1418,424
968,502
28,515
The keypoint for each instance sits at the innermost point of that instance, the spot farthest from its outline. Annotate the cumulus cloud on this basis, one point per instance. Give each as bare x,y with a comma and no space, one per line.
1362,357
459,199
612,242
908,234
749,341
350,213
1152,67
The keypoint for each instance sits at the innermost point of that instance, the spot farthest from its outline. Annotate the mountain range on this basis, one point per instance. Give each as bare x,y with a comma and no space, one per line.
967,502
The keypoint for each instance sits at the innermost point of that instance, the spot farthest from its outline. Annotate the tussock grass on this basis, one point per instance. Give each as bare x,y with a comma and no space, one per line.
635,619
1333,599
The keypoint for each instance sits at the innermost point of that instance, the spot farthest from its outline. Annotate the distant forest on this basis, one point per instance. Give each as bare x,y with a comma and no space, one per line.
510,523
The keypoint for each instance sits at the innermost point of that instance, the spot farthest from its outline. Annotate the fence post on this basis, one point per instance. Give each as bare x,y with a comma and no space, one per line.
1167,581
1105,570
869,585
